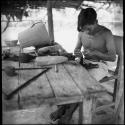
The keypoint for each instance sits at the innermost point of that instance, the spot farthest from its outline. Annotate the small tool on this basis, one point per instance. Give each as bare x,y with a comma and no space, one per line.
9,96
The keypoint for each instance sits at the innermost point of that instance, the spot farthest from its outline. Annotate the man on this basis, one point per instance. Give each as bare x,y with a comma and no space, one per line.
97,42
98,45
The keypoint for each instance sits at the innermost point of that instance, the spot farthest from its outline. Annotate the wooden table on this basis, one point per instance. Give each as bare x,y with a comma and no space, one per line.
69,85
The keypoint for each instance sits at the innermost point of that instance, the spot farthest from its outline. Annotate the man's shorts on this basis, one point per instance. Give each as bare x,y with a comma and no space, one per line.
100,72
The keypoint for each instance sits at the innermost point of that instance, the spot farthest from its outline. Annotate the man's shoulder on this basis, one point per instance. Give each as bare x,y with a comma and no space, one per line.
103,29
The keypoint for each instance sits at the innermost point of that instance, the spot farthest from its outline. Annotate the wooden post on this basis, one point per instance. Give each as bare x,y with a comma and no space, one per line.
50,20
119,109
87,110
80,113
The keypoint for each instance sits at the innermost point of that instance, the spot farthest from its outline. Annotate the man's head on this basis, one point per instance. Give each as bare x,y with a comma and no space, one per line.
87,18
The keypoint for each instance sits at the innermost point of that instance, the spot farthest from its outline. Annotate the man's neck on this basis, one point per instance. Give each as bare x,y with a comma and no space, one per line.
95,29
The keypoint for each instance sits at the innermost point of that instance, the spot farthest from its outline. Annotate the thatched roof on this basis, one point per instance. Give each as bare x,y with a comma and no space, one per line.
18,8
7,4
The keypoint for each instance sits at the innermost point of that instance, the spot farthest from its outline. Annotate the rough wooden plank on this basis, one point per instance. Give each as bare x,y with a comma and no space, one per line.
39,101
119,101
119,109
80,113
38,89
8,105
82,78
87,111
68,100
13,81
9,84
62,83
39,86
25,84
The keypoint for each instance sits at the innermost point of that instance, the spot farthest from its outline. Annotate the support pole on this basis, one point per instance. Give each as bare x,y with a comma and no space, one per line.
50,20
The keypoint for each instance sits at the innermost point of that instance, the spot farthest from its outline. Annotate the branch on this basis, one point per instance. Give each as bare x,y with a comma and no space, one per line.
8,21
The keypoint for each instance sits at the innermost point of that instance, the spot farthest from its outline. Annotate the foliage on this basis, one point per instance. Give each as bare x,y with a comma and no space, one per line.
16,9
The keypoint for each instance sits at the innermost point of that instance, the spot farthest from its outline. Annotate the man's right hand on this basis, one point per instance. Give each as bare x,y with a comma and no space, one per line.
77,53
77,59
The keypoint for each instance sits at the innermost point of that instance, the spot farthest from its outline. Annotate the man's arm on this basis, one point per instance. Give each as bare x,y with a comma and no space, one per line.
111,52
78,44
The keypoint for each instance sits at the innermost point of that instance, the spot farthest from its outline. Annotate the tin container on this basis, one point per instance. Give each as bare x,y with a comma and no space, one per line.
36,35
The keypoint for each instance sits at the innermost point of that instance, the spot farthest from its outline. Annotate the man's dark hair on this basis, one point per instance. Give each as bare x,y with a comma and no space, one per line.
86,16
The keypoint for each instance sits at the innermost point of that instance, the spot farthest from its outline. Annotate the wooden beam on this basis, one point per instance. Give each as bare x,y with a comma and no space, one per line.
119,109
50,20
87,111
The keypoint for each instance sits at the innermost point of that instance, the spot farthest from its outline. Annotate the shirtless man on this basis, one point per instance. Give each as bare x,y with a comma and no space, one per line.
97,42
98,45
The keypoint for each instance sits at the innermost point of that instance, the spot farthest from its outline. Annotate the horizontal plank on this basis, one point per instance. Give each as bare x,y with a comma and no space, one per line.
37,101
68,100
